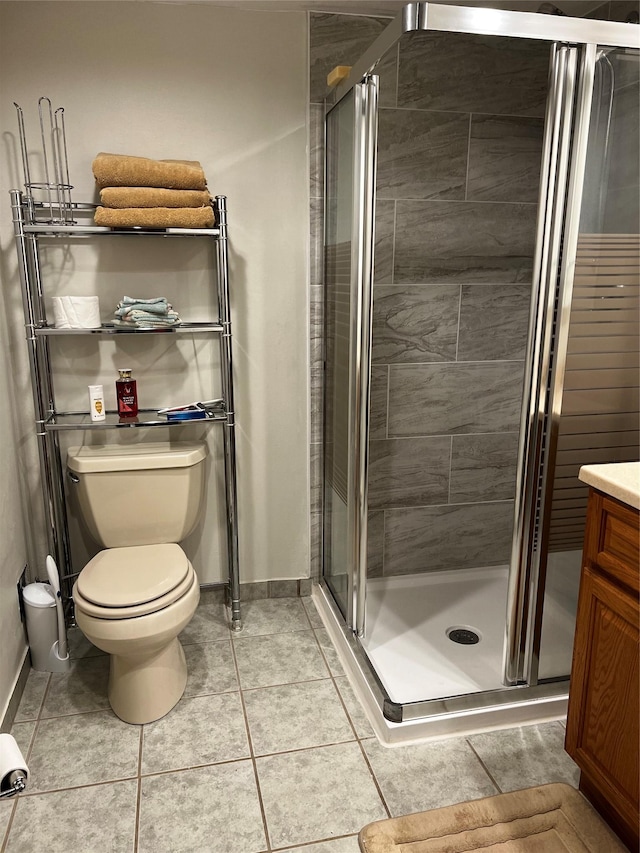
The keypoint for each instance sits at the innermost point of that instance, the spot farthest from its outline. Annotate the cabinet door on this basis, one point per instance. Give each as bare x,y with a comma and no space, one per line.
602,724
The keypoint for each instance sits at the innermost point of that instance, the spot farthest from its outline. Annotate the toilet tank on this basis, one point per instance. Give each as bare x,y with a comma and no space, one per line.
143,494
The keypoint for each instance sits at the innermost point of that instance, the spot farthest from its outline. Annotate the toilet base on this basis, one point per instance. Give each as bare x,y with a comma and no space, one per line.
143,688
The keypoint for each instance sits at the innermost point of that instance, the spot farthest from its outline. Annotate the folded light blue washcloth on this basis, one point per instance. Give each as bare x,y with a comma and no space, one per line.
129,300
150,322
135,313
144,317
159,307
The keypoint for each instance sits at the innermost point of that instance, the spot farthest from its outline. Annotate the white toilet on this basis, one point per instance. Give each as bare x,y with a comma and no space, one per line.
133,599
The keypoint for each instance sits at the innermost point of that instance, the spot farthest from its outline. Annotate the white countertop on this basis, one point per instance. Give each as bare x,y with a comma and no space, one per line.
620,480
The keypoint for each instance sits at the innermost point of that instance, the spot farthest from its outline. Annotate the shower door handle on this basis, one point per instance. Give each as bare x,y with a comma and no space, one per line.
362,243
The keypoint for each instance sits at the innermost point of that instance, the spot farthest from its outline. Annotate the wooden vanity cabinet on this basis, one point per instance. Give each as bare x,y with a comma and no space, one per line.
602,722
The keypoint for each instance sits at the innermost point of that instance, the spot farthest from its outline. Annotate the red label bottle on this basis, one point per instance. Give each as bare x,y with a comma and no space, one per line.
127,395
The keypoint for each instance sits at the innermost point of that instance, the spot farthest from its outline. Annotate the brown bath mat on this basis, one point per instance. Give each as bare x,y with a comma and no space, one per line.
548,819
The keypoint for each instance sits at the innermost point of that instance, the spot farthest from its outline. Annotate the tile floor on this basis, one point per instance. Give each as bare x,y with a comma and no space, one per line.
268,750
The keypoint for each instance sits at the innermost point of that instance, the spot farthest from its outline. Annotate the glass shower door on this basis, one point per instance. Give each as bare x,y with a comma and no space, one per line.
598,408
349,197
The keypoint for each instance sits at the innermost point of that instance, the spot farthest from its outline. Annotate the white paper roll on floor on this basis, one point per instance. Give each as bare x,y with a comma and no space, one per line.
76,312
12,762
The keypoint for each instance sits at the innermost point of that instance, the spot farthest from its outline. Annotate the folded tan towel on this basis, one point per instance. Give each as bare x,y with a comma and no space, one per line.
155,217
120,197
122,170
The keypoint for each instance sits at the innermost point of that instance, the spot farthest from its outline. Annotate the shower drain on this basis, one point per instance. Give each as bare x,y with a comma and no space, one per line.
464,635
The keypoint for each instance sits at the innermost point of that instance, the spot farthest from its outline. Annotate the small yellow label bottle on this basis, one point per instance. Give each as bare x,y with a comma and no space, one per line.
96,403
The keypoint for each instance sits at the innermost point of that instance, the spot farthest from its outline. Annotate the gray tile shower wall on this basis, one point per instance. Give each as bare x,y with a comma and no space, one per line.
460,140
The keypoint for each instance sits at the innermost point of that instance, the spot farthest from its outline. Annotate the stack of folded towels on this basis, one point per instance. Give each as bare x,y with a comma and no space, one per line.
143,193
136,313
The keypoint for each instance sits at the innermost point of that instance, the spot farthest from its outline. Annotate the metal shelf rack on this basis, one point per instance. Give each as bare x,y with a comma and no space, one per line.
30,226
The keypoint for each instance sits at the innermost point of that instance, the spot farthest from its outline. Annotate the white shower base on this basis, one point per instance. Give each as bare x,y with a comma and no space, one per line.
406,641
522,710
406,633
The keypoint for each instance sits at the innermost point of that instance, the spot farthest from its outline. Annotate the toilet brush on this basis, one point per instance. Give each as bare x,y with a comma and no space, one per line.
60,650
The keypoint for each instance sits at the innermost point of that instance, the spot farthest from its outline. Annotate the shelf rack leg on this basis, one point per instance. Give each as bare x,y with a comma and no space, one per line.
229,427
57,543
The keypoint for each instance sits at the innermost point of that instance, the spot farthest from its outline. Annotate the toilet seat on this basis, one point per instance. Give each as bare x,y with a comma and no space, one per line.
122,583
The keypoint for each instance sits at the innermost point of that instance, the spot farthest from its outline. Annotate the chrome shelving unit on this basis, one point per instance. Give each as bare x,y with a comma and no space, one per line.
32,222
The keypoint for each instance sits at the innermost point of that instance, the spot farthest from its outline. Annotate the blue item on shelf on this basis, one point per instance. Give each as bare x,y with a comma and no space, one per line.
187,415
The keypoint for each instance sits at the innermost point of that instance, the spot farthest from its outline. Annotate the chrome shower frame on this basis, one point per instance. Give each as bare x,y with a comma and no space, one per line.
573,44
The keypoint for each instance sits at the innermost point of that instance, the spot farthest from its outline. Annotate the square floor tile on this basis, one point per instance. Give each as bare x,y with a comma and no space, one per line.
214,809
211,669
354,708
83,749
428,775
316,794
199,730
32,696
279,659
296,716
99,818
83,688
209,622
526,756
329,651
273,616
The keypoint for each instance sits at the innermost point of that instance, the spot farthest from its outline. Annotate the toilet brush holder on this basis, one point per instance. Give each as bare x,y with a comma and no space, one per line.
40,605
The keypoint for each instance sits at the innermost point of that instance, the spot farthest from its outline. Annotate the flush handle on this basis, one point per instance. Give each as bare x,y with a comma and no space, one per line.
73,477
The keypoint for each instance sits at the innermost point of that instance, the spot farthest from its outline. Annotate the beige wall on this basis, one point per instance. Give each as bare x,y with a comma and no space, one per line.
228,87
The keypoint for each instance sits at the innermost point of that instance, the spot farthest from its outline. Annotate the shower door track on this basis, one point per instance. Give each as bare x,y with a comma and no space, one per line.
506,698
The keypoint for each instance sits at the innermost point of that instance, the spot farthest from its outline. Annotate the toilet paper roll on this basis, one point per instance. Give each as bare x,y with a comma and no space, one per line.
12,763
76,312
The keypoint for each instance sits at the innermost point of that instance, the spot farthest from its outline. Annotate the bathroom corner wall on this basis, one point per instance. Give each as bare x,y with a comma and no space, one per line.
13,551
460,138
228,87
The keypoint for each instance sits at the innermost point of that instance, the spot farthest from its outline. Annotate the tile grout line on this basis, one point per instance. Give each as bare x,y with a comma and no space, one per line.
375,780
81,787
484,767
450,467
136,834
413,109
5,841
251,750
466,180
397,75
357,736
435,200
336,688
393,245
309,844
458,333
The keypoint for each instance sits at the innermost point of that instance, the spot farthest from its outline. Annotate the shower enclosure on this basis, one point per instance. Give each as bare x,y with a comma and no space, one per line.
481,343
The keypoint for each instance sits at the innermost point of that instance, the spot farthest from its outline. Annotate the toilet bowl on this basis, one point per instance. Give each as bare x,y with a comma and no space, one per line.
137,627
134,598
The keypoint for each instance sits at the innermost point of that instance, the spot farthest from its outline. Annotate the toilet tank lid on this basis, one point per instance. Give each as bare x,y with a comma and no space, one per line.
90,459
